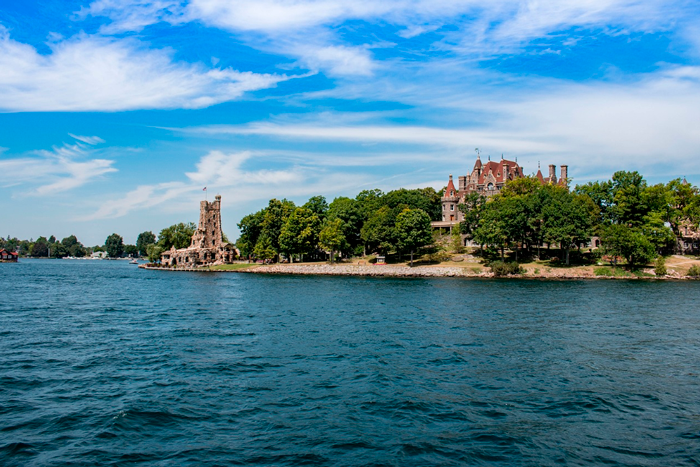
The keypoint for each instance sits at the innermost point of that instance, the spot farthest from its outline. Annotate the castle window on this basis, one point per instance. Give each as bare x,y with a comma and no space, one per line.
452,207
452,193
490,187
443,207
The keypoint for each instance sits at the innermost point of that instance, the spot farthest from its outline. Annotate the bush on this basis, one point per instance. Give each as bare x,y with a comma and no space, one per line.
694,271
660,266
476,270
500,268
611,272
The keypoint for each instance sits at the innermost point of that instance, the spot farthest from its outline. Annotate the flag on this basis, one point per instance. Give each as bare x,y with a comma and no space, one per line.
205,189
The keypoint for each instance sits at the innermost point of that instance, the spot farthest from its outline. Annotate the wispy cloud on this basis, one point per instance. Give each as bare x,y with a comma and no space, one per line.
50,172
91,140
93,73
216,170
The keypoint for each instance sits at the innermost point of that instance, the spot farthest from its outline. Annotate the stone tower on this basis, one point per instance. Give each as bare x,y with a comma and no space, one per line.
208,234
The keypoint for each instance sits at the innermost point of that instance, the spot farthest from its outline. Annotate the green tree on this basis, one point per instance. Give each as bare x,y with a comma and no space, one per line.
413,230
332,236
276,215
143,240
624,241
318,205
114,245
177,235
471,208
40,248
250,228
300,232
263,248
131,250
378,231
657,232
350,212
154,251
568,218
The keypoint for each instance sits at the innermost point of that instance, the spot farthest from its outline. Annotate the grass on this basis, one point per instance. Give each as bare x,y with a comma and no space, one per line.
232,267
612,272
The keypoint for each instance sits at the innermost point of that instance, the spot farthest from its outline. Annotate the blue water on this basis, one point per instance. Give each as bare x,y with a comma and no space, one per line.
105,364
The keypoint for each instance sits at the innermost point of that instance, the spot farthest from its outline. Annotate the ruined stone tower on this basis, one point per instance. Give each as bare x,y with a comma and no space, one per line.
207,246
208,234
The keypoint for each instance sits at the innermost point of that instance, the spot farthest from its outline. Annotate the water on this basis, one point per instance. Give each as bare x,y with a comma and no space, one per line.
105,364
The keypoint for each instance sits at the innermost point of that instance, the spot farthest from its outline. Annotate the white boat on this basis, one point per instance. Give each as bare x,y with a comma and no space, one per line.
134,261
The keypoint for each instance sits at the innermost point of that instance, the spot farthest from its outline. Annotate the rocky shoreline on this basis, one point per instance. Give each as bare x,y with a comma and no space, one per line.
324,269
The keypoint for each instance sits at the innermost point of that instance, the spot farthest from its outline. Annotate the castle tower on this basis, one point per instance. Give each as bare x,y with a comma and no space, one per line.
209,234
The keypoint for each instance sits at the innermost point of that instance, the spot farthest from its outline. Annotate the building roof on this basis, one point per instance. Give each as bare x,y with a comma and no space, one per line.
450,189
497,169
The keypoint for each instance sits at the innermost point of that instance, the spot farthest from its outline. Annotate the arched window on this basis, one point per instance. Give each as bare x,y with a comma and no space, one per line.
490,187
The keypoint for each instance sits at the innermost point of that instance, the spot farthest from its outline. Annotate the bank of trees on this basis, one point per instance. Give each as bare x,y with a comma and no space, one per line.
373,221
633,220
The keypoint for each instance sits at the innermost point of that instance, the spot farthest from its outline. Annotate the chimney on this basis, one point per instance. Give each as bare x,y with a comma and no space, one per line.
552,173
462,183
506,171
564,173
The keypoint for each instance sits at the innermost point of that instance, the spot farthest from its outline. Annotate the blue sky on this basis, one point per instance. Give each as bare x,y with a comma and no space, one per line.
114,114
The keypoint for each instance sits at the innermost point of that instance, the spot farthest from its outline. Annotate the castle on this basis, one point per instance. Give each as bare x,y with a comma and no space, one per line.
207,246
487,180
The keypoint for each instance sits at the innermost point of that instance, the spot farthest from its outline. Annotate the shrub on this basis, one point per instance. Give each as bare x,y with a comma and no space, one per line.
476,270
500,268
611,272
694,271
660,266
536,271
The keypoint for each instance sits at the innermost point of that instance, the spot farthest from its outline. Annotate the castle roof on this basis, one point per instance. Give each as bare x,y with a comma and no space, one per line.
450,189
477,164
497,169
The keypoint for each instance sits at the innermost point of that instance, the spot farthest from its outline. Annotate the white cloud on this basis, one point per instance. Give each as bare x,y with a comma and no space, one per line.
91,140
337,60
90,73
217,171
62,169
596,128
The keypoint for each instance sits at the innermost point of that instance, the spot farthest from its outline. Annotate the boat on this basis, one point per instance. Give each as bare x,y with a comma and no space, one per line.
134,261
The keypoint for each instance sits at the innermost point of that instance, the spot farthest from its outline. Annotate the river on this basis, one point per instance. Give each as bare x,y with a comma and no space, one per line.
105,364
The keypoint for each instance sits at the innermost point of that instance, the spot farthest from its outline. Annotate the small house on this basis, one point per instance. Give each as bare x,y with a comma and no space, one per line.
8,256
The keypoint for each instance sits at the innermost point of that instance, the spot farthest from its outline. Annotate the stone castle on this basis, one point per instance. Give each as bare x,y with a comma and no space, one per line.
207,246
487,180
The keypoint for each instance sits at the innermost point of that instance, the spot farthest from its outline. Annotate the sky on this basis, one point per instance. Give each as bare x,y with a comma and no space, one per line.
115,114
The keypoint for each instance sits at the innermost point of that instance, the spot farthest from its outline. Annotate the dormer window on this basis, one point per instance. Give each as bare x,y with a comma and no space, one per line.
452,192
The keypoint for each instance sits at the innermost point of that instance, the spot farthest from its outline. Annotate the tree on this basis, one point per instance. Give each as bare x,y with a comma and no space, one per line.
378,231
568,218
114,245
655,230
413,230
154,251
472,210
263,248
299,234
143,240
131,250
276,215
622,240
250,227
318,205
40,248
332,237
350,212
177,235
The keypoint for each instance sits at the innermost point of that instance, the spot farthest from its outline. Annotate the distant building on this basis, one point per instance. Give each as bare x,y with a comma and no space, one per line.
207,246
8,256
487,180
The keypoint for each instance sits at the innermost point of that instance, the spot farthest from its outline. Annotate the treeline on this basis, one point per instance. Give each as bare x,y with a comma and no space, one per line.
633,220
51,247
373,221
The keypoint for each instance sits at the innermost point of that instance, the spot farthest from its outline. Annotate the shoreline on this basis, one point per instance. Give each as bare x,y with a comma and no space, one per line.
406,271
